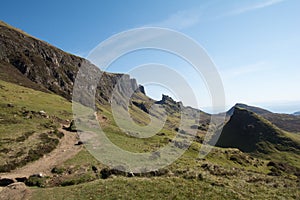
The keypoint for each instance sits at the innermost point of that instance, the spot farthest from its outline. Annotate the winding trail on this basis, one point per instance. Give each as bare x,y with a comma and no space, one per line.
65,150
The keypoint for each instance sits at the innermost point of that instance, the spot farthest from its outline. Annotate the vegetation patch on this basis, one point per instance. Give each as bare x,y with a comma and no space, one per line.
36,181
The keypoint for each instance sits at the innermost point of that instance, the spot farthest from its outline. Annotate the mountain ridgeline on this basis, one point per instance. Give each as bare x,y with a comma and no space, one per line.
32,63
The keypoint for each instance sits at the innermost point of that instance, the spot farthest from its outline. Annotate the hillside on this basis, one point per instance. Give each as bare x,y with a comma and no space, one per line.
253,134
250,133
40,149
29,121
217,176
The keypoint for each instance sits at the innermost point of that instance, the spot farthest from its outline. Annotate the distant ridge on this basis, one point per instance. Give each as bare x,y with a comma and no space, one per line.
251,133
296,113
286,122
256,110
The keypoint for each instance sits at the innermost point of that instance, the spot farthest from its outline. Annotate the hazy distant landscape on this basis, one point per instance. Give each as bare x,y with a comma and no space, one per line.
55,106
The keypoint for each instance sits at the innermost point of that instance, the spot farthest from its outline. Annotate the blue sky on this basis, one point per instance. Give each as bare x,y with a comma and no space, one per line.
254,44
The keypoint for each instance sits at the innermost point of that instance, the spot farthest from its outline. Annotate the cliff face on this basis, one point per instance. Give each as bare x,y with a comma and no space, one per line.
45,67
38,61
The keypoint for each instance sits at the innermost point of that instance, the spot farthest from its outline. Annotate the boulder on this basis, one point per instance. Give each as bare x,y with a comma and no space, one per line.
79,143
10,105
105,173
72,127
6,181
21,179
95,169
15,191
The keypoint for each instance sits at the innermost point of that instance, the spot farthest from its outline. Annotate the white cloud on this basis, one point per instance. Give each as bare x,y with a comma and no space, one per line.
180,20
256,6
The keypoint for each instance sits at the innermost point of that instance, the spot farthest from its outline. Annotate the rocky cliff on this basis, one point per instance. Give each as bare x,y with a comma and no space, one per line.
31,62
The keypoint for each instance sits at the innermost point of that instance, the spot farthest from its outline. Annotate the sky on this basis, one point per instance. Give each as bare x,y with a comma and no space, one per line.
254,44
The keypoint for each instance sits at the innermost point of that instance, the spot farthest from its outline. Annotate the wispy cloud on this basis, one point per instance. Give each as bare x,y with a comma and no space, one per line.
190,17
255,6
120,44
179,20
245,70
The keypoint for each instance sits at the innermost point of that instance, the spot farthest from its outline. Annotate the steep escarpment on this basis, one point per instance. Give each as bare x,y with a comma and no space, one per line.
40,62
33,63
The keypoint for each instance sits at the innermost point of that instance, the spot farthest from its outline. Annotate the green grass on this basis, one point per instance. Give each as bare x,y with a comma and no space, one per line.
124,188
22,116
52,104
14,120
163,188
82,158
23,128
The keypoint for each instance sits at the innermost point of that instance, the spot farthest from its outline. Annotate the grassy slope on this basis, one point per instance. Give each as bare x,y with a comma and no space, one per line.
162,188
25,99
254,134
22,128
227,179
243,177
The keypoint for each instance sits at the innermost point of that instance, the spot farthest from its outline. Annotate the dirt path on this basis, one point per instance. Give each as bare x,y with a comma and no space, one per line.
66,149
